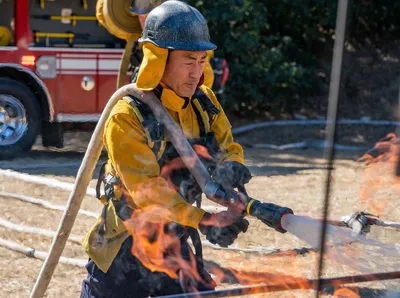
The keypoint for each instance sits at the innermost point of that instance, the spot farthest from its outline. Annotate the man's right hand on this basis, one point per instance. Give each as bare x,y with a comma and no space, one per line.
220,231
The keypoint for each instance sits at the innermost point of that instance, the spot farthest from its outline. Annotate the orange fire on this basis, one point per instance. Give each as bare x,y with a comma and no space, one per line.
346,293
178,164
229,275
385,149
380,173
158,248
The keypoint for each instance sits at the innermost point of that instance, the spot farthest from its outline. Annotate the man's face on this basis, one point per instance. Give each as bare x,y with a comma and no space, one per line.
183,71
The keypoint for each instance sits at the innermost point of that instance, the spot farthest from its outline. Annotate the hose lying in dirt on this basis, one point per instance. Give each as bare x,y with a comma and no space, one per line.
49,182
30,252
390,224
250,127
33,230
37,254
79,190
316,144
44,203
51,206
43,165
371,221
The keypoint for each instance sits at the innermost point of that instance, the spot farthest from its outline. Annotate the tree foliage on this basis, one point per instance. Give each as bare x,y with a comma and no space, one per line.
273,46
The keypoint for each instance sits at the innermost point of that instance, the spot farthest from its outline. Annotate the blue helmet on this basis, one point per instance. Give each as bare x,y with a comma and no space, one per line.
176,25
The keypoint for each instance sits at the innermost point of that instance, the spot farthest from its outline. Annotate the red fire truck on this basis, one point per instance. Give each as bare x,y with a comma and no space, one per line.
57,66
52,71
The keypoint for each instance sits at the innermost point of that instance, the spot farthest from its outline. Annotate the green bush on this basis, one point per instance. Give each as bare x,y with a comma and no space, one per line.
377,20
274,47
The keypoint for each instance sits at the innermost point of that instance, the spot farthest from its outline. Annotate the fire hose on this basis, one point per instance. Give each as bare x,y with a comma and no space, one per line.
271,215
115,16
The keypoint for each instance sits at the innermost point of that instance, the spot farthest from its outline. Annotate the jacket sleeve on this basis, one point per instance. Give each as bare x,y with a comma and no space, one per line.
136,165
222,130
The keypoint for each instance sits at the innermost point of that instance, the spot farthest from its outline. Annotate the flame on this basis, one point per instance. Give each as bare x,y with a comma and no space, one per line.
178,164
161,250
382,151
230,275
157,243
158,248
346,293
179,178
380,173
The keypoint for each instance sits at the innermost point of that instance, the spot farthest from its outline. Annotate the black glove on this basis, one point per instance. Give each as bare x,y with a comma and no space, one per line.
232,174
224,236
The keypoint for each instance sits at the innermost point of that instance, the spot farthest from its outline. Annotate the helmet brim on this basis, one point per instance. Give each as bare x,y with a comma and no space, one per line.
182,46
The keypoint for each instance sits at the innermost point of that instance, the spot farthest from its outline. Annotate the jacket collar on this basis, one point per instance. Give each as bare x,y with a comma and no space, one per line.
171,100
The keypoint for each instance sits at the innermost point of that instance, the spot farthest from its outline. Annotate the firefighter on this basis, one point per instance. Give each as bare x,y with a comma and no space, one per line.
6,37
139,173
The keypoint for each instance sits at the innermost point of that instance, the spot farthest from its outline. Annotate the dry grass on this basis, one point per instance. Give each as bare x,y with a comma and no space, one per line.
291,178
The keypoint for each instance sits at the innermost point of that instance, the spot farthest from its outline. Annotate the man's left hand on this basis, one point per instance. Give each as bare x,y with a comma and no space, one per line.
220,232
232,174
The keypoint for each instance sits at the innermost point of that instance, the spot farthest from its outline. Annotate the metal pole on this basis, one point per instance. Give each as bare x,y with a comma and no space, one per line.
397,116
397,132
334,89
300,285
83,178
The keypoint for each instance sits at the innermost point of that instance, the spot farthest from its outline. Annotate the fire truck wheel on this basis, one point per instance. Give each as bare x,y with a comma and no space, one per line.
20,119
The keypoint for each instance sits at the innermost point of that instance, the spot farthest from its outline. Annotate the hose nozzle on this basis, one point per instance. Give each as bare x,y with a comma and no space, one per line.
268,213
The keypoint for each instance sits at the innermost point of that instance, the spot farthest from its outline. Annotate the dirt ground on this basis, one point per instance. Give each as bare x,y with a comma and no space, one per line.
292,178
